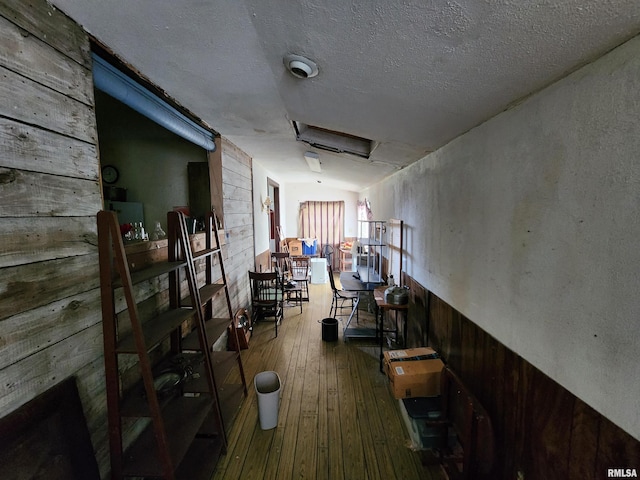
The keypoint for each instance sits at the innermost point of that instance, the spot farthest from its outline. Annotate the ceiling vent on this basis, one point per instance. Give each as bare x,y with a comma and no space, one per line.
332,141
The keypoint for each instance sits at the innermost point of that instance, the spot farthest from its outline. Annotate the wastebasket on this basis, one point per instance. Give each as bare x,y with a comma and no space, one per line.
329,329
267,386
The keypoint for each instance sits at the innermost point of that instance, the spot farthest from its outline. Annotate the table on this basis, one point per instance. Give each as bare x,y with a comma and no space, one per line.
351,283
381,306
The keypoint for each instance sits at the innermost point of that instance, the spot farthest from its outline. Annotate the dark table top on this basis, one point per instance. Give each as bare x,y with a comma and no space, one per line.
350,283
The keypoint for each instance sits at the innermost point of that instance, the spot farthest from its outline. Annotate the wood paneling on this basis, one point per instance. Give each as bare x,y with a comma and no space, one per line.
50,25
542,431
29,286
49,195
29,240
37,150
29,194
31,57
238,221
30,102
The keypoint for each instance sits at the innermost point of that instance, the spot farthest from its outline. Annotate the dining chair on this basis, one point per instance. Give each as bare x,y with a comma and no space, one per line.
342,299
267,296
281,260
300,274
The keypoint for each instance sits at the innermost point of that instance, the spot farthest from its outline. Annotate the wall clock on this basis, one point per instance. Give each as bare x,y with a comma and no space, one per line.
110,174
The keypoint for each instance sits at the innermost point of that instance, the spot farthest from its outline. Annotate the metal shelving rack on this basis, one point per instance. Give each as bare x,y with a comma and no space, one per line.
371,242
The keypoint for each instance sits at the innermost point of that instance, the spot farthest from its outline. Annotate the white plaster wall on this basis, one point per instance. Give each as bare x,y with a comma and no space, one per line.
304,192
260,218
529,225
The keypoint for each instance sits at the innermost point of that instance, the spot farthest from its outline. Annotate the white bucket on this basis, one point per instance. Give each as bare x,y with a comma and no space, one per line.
267,385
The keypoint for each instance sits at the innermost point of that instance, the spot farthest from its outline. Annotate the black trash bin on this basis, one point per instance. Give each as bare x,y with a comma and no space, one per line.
329,329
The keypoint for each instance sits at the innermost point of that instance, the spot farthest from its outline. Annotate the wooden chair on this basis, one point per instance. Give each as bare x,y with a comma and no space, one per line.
300,274
267,296
281,261
473,454
292,289
342,300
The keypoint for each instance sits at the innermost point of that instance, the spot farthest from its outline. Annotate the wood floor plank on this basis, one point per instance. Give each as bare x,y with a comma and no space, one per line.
352,447
379,462
279,464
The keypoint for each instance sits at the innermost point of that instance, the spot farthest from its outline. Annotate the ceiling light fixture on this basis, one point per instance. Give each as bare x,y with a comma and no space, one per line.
313,160
300,67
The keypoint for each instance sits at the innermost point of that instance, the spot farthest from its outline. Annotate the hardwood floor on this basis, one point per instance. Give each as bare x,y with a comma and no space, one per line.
337,417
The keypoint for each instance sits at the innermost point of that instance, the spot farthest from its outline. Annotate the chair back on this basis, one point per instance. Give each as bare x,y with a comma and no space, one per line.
266,287
327,251
299,268
281,260
331,280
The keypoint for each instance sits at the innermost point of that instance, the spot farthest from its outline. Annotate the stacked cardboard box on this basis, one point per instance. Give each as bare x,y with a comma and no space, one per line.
295,248
414,372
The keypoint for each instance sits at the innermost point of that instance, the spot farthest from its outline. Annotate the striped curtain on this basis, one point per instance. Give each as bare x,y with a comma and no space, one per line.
323,221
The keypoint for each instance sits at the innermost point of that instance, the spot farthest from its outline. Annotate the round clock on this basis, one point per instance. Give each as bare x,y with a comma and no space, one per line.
110,174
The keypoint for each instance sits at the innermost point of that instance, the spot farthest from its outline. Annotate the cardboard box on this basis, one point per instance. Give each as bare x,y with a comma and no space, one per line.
414,372
295,248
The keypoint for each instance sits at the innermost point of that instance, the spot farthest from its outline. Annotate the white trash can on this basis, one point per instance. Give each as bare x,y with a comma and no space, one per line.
268,386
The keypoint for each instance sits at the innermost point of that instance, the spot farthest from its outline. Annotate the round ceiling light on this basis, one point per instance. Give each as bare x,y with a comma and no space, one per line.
300,67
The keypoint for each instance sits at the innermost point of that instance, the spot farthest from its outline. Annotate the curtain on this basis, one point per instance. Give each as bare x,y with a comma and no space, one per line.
323,221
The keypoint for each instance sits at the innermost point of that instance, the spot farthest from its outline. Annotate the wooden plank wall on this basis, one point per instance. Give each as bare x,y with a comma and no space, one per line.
50,321
50,316
542,430
238,221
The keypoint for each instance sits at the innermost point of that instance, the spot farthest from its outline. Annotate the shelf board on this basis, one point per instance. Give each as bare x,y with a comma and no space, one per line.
183,419
367,242
360,332
368,275
151,272
230,396
205,253
200,461
207,292
222,363
214,329
156,329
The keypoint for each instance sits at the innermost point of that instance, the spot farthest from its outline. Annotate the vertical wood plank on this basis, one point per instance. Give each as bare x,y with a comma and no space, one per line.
583,449
548,426
616,449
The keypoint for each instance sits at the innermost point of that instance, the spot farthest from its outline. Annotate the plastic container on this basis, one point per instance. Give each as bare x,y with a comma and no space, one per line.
268,385
309,249
318,270
329,329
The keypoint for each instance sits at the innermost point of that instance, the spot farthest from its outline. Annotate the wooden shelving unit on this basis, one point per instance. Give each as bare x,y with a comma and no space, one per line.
227,364
180,429
346,262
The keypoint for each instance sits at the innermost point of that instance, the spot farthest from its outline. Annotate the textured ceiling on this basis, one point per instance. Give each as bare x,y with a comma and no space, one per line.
410,75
